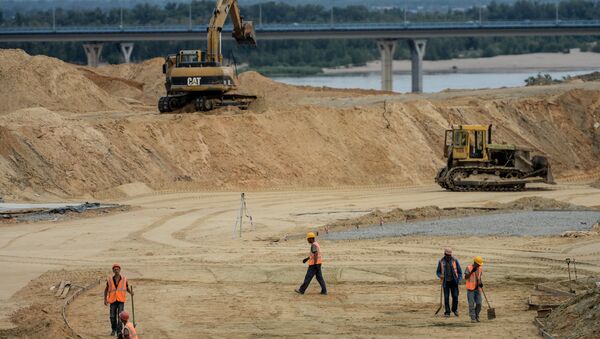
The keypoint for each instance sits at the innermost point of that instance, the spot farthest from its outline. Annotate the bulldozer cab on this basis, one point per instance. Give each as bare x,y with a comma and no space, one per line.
467,142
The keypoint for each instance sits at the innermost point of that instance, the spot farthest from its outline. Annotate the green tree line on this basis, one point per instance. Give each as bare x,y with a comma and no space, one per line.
295,57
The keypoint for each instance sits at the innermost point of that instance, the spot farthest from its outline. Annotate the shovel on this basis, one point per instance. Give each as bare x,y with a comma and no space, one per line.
491,312
441,291
133,308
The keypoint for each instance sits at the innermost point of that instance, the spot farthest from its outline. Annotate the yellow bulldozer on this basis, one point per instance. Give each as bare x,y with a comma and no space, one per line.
202,77
476,164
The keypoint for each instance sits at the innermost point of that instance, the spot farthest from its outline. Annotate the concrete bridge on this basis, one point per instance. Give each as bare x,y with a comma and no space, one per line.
386,36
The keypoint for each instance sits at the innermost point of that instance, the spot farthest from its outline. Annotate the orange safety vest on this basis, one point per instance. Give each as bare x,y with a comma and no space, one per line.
474,279
132,332
116,293
443,267
312,260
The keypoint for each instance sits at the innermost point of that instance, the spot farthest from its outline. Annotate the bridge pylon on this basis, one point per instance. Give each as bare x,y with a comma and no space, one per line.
386,49
417,52
126,49
93,51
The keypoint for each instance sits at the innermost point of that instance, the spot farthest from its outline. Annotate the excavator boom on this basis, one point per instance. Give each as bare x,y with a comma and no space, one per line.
243,32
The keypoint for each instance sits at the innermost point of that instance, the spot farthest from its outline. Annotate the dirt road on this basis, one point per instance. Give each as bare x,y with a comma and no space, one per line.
192,277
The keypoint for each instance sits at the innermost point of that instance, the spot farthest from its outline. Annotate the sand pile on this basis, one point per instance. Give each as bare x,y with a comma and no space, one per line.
399,215
535,203
40,81
43,317
578,318
291,137
147,75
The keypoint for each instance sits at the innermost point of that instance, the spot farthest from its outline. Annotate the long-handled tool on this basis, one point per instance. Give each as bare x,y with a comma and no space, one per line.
568,260
132,307
441,292
491,312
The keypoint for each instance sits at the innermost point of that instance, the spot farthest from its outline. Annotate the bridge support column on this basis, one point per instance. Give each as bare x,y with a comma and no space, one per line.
417,52
386,49
127,49
93,51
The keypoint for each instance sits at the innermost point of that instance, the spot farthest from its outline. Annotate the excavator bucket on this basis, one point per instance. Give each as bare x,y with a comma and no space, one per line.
247,35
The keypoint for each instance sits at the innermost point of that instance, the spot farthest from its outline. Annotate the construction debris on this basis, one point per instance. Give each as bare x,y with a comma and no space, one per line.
35,212
577,318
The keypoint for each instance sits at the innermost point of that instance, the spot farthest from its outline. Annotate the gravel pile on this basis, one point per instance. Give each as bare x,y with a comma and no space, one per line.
530,223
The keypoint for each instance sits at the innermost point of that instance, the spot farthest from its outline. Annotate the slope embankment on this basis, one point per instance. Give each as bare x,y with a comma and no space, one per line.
70,131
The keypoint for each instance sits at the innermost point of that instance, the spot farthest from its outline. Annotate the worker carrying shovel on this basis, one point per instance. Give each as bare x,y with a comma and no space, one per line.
314,265
473,278
115,295
450,274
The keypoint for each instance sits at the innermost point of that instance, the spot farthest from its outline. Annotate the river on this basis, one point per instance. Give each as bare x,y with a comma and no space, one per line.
431,82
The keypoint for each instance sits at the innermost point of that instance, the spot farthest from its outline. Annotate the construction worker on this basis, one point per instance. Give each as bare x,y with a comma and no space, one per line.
473,278
128,331
115,295
314,265
450,273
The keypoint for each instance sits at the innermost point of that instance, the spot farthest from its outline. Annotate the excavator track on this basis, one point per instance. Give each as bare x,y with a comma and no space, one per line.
508,179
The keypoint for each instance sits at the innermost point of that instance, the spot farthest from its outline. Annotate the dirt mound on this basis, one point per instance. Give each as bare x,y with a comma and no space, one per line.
43,317
39,81
578,318
534,203
147,75
292,136
399,215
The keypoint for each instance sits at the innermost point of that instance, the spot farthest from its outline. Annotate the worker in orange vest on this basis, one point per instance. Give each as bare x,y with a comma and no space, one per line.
115,295
128,331
473,279
315,260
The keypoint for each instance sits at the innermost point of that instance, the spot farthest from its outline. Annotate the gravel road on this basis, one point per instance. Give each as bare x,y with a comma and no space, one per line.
529,223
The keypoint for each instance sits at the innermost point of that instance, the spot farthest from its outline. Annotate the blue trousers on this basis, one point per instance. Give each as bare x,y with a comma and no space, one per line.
450,287
310,273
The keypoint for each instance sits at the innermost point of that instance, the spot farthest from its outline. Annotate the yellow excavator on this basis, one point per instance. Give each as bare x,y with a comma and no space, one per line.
202,77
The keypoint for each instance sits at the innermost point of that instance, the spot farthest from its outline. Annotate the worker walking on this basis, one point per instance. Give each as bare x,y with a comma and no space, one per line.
128,331
450,273
115,295
473,278
315,260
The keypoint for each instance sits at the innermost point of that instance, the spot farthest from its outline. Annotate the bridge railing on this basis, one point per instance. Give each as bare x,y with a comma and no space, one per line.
297,27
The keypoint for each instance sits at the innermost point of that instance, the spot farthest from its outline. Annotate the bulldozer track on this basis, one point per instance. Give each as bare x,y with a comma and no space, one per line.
452,181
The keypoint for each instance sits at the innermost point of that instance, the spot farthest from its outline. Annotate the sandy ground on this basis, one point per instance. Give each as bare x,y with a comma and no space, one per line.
575,60
192,277
71,133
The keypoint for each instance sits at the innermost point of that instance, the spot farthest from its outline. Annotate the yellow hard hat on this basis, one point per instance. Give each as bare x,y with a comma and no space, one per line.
478,260
310,235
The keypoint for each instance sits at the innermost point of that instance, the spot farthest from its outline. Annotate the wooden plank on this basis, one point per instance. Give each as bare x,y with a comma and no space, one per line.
66,290
61,287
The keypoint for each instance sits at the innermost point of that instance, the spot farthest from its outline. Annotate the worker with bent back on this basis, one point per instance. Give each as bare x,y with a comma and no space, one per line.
473,276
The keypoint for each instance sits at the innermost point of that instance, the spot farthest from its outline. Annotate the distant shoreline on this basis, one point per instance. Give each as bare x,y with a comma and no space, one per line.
536,62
